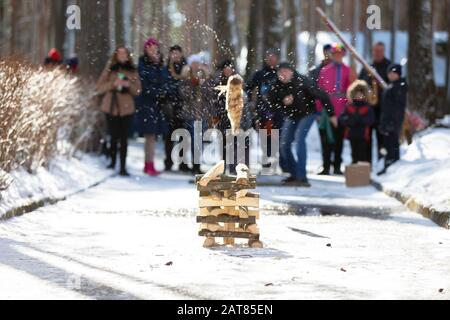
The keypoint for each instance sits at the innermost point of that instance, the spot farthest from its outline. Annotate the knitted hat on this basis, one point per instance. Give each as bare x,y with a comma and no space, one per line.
54,55
327,47
338,48
151,42
395,68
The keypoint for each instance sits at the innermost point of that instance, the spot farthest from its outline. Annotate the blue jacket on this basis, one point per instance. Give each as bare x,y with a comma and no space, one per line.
155,84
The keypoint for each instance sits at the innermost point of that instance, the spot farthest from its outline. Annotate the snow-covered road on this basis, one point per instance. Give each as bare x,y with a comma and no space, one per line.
137,239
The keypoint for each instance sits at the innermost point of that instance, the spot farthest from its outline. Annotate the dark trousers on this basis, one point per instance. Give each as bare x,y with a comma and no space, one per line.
380,146
378,135
119,128
174,124
332,153
359,150
391,142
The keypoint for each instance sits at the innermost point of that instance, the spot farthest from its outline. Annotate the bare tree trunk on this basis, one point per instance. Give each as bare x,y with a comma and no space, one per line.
291,30
356,14
119,22
272,26
224,47
420,58
14,16
312,41
93,38
58,9
253,36
447,83
394,27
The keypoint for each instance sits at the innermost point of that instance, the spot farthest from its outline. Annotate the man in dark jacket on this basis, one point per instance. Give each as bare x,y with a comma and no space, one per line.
380,64
258,89
314,73
393,108
173,108
295,95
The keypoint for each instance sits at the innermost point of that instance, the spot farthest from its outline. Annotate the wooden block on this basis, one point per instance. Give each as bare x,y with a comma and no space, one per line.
243,213
230,227
224,234
252,228
254,213
255,244
211,211
216,185
250,200
225,179
209,242
213,173
214,227
225,218
241,194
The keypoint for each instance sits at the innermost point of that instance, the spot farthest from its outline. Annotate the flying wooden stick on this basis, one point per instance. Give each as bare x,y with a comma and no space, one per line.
330,24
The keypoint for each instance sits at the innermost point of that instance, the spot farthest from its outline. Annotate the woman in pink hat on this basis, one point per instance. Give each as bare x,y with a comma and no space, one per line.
154,78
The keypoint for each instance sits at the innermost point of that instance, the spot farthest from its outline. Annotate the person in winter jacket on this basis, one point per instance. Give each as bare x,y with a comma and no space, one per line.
314,73
335,79
258,89
154,77
294,95
393,108
175,103
357,120
380,64
196,91
119,83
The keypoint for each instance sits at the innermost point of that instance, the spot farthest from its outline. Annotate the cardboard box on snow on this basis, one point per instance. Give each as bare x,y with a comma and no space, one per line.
357,175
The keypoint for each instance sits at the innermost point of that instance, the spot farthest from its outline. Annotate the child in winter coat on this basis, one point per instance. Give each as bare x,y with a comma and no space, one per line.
393,108
358,119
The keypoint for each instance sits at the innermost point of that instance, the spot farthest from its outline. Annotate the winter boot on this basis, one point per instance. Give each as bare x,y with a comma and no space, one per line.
151,171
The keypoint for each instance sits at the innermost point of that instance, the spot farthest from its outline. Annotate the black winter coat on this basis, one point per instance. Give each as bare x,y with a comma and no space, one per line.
305,93
393,107
382,69
263,81
358,119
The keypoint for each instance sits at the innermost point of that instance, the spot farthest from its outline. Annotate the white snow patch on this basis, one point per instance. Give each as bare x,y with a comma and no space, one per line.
424,171
63,177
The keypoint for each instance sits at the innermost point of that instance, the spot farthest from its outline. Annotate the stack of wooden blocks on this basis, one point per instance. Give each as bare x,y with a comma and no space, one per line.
227,209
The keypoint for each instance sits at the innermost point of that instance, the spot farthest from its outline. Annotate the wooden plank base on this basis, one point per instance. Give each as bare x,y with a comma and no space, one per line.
228,234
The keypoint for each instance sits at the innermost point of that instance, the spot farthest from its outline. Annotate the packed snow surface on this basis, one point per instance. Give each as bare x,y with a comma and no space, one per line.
137,239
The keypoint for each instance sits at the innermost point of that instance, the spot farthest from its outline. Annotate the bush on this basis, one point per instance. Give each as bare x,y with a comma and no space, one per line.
43,113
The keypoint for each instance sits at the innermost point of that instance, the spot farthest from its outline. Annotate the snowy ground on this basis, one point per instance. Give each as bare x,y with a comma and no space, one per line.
137,239
424,171
63,177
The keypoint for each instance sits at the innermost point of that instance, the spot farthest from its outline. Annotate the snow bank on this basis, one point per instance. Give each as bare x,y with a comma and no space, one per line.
424,171
63,177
